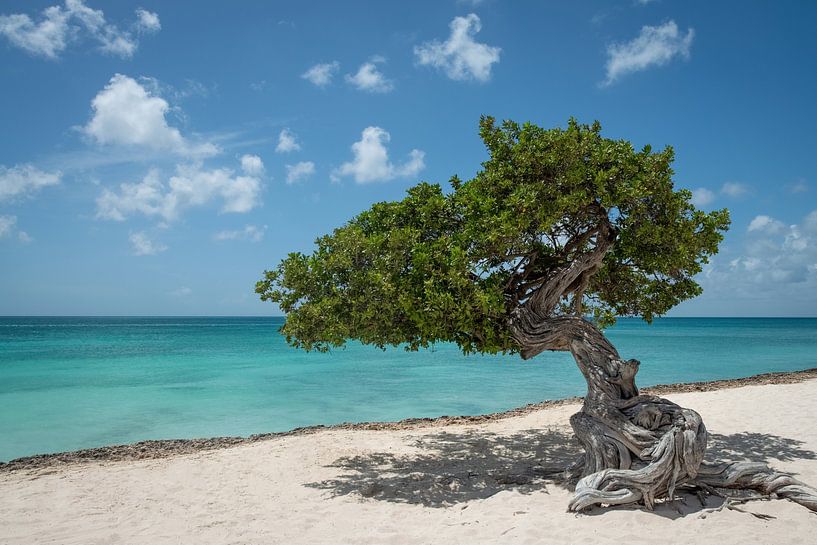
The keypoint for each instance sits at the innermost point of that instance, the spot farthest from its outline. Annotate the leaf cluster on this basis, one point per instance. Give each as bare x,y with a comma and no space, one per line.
451,266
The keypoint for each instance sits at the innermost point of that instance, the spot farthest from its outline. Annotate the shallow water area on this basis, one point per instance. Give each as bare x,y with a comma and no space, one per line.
71,383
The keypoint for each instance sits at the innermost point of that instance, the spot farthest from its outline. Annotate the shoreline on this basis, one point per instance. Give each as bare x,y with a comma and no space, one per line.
166,448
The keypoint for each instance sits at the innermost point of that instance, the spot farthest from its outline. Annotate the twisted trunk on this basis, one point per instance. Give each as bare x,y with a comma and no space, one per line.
637,447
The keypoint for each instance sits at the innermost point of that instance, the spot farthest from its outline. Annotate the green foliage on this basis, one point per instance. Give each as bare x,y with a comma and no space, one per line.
451,266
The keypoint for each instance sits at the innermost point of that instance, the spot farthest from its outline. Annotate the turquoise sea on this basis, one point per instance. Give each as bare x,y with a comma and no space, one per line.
71,383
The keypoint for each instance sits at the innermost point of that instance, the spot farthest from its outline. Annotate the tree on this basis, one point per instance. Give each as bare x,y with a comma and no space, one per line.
560,232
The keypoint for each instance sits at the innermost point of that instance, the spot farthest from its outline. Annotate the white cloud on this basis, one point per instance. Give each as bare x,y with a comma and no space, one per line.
460,57
773,273
147,21
59,26
300,171
781,255
183,291
766,224
190,187
250,232
287,142
733,189
371,160
7,225
24,181
127,114
47,38
111,39
702,196
8,228
810,223
252,165
321,74
142,245
654,46
795,240
369,78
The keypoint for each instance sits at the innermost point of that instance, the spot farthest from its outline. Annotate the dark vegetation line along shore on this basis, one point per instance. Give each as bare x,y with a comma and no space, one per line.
145,450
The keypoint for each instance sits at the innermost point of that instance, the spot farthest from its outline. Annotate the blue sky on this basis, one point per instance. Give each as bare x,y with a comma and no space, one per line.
156,157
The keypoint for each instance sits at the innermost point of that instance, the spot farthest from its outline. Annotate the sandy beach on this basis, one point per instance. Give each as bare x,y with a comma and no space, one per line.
449,481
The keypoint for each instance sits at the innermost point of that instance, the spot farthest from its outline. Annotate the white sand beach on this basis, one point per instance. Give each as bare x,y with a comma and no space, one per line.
433,484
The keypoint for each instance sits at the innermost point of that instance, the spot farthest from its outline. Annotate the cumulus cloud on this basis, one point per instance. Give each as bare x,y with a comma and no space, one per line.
777,253
147,21
371,160
654,46
702,196
766,224
8,229
7,225
773,272
733,189
460,56
141,244
250,232
125,113
190,187
321,74
810,223
300,171
24,181
252,165
58,26
47,38
287,142
368,78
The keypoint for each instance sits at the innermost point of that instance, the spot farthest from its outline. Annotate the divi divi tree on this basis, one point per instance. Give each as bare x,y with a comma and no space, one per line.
560,232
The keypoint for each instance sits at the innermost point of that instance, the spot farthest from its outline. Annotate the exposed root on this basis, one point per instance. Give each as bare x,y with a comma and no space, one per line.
675,459
647,474
757,477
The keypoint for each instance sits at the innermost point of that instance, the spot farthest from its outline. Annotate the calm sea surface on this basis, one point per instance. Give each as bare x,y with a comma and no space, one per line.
71,383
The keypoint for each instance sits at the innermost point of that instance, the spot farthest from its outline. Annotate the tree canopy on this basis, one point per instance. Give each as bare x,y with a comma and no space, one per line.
452,266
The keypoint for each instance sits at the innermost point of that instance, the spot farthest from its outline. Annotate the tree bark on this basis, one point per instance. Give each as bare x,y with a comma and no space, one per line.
637,448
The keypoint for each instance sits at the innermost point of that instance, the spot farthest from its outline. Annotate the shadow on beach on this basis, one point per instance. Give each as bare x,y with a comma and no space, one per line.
756,447
452,468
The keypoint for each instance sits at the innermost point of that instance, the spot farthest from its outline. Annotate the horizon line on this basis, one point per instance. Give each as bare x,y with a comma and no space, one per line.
284,316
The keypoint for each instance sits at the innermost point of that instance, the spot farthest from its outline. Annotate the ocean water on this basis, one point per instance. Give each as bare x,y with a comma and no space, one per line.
71,383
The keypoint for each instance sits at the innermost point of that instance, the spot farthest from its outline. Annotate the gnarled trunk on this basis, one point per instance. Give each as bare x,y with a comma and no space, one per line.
638,448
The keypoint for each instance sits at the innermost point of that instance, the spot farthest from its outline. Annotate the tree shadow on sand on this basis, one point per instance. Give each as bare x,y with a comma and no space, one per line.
451,468
757,447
